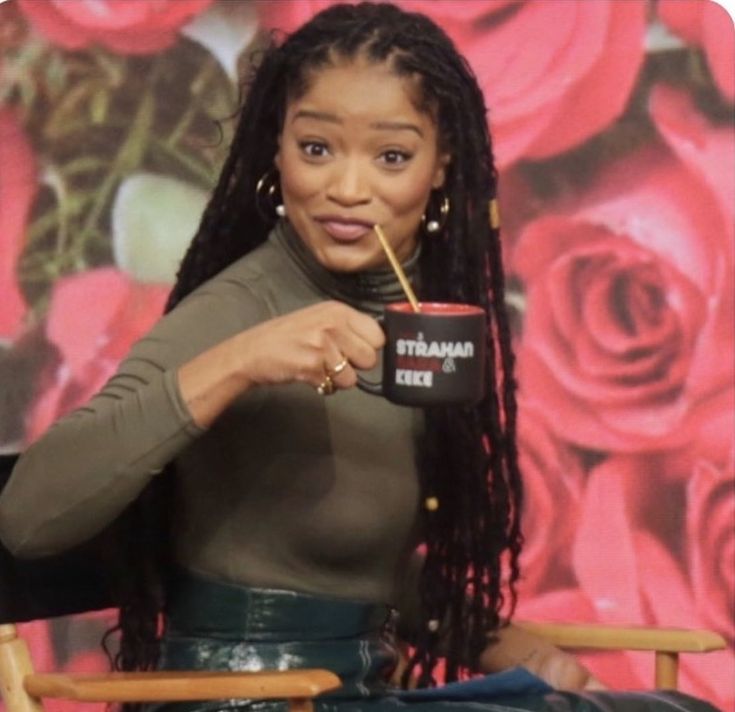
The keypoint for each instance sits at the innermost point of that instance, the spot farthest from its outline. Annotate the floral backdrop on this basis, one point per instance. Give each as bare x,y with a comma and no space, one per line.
613,125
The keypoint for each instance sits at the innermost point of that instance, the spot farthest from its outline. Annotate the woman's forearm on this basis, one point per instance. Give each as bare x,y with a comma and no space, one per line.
210,382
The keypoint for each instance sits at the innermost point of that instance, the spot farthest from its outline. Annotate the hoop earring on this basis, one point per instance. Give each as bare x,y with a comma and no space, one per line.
432,226
267,196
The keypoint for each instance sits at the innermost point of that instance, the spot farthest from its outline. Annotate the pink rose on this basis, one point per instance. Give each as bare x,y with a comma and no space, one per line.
710,440
631,575
94,319
124,26
554,73
685,498
706,24
711,544
552,480
17,190
288,15
629,324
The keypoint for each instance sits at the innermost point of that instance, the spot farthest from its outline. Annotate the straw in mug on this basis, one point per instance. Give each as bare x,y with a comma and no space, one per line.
396,265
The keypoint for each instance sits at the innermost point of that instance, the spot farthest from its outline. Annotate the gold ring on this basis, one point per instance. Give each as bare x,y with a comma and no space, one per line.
326,387
341,366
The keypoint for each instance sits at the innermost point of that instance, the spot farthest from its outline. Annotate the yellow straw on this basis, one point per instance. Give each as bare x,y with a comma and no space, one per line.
396,265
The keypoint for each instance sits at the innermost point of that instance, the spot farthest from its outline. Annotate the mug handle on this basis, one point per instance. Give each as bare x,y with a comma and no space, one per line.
375,388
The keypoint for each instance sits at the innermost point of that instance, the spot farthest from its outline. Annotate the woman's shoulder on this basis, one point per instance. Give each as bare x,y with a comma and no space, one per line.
252,275
234,299
266,279
243,275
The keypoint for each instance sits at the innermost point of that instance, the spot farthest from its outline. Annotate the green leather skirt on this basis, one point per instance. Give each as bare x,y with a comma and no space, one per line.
218,626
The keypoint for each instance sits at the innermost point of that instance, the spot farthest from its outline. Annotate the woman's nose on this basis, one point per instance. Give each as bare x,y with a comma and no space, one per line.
349,184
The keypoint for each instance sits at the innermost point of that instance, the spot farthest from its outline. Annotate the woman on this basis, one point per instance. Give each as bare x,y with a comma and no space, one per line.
284,501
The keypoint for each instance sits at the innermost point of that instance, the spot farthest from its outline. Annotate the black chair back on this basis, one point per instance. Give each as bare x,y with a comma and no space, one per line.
72,582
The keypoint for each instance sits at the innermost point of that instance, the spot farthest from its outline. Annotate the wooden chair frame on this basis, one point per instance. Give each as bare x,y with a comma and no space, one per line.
666,643
23,690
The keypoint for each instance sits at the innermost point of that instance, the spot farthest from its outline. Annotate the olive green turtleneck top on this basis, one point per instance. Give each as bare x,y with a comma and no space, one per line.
287,489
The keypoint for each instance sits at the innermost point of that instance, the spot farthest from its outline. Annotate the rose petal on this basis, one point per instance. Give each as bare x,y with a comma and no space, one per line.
92,341
604,551
122,308
682,16
706,24
126,26
17,190
225,30
154,218
706,151
552,485
711,543
719,44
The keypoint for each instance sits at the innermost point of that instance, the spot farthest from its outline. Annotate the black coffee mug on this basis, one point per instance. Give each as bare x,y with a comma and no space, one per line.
435,356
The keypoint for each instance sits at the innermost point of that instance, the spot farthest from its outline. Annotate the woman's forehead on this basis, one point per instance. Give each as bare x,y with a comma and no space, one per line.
361,87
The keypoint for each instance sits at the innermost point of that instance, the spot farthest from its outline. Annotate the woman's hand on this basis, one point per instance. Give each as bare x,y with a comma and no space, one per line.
303,346
515,646
306,344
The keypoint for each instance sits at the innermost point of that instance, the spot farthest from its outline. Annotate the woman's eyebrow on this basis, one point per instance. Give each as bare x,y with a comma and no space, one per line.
380,125
396,126
318,115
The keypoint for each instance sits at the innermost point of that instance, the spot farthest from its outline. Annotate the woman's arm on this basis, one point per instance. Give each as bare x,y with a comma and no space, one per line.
514,647
213,348
296,347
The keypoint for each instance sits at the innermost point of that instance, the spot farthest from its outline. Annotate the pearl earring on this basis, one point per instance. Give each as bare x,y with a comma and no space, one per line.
432,226
281,210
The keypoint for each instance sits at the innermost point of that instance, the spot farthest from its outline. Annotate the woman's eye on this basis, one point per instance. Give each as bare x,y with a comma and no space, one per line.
394,157
314,149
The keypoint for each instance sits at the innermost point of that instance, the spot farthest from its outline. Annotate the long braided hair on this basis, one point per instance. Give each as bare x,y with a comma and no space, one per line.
468,459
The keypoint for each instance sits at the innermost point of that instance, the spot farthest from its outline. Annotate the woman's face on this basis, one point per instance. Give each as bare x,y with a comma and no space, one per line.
355,151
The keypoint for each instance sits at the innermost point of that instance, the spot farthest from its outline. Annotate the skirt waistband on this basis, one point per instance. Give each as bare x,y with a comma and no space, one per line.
199,606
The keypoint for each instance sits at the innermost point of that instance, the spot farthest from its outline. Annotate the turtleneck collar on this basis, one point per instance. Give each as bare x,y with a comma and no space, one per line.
368,291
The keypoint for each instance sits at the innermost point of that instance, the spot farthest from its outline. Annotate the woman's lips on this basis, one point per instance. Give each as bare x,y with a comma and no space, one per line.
345,230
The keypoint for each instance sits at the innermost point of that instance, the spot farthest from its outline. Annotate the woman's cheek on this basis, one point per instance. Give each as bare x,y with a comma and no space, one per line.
408,192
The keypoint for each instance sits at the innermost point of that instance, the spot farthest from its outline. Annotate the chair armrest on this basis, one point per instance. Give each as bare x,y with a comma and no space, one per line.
605,637
179,686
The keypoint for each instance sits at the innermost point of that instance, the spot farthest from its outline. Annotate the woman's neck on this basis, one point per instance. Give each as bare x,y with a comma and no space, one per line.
369,290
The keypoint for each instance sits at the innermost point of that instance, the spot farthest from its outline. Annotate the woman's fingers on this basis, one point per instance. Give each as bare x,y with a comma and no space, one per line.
338,367
366,328
348,340
321,345
358,339
360,353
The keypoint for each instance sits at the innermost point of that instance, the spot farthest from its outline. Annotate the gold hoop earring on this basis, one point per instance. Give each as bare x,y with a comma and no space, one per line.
267,196
431,225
